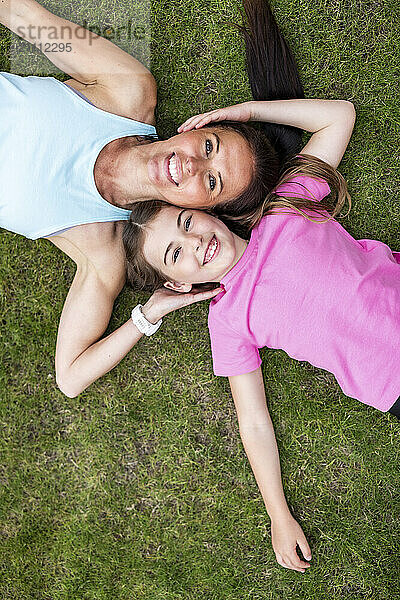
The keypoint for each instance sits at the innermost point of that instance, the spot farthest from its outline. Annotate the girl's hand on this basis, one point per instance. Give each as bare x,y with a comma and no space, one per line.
164,301
286,534
238,112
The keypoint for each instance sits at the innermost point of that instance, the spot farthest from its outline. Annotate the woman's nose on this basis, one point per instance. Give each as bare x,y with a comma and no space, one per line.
192,165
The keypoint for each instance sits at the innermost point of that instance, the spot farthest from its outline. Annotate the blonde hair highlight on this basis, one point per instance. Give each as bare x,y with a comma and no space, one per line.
310,166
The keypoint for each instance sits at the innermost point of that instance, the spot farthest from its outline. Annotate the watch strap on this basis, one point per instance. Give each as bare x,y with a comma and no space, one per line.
142,323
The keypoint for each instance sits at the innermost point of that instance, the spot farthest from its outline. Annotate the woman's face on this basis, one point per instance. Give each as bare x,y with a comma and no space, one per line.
190,246
200,168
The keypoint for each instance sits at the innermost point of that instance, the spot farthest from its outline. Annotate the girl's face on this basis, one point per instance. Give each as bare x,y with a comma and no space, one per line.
200,168
190,246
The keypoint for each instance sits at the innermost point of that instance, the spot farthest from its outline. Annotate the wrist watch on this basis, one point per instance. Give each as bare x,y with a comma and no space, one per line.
142,323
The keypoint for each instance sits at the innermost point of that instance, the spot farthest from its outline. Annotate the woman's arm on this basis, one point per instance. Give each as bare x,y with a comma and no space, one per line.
330,121
93,60
81,356
258,437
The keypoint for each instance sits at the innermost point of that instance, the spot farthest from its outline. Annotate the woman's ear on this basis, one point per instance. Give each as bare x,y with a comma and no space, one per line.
178,287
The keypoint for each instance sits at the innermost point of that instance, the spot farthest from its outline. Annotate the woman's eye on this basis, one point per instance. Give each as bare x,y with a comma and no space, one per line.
213,182
209,147
175,255
187,223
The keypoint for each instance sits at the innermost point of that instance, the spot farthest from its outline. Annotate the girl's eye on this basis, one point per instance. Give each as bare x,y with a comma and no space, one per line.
213,182
209,147
175,255
187,223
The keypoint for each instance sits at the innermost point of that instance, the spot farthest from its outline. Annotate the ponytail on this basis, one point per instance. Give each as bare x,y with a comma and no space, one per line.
272,71
273,75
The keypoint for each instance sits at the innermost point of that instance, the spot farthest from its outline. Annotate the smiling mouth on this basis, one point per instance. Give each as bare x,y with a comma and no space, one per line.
212,250
173,168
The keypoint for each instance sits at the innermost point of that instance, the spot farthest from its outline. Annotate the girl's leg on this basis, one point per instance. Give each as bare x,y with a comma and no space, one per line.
395,409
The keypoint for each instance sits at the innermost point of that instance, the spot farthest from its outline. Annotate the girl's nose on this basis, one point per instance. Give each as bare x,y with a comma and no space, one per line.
196,241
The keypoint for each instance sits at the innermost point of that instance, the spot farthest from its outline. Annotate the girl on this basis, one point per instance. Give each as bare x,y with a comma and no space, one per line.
301,283
75,155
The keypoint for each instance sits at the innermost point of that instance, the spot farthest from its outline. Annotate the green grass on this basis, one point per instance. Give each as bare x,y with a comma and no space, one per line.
140,488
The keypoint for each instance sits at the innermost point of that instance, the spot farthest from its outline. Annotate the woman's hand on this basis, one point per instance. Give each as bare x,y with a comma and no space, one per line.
238,112
164,301
286,534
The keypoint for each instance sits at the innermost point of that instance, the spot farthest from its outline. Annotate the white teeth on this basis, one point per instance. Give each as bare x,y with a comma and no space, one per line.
173,171
211,251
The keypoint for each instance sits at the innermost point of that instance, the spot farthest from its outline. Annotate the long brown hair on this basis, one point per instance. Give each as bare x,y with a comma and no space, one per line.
303,164
273,75
140,274
272,71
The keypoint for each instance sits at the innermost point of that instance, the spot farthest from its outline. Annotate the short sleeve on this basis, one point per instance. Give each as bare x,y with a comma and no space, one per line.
232,355
303,186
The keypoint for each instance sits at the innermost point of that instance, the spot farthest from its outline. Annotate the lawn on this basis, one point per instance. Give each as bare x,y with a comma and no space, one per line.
140,487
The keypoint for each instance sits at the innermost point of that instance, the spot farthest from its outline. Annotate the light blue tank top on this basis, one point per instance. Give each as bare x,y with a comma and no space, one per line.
50,138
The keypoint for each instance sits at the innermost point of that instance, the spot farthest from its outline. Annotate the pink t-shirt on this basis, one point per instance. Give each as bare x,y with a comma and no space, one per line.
315,292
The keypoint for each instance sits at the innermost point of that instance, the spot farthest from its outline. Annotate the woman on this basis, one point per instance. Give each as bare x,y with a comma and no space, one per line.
81,168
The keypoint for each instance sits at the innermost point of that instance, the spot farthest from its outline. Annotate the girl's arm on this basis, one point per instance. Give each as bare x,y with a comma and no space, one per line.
330,121
81,356
92,61
257,434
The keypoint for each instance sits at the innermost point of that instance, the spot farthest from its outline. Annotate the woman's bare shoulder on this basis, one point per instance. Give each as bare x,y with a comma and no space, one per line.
124,97
97,245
